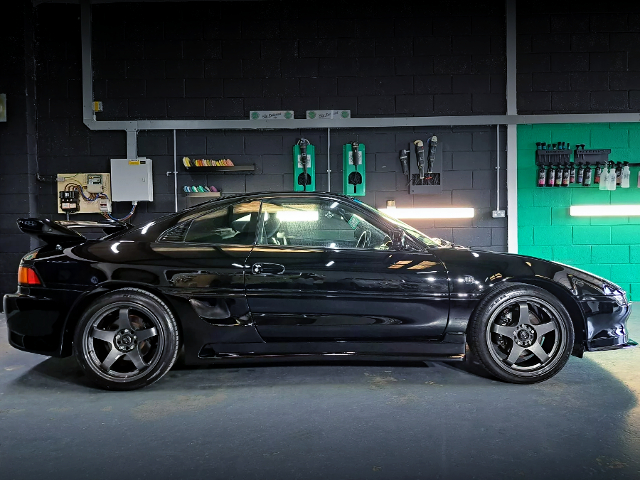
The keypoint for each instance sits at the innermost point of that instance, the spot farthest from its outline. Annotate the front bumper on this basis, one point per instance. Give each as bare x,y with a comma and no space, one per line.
34,324
606,323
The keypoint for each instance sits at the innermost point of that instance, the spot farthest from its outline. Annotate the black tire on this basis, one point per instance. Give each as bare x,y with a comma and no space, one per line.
517,345
126,339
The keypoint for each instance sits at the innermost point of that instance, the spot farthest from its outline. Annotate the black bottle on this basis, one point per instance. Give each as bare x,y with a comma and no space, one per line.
542,176
580,175
587,175
559,175
566,175
618,173
551,176
596,177
572,174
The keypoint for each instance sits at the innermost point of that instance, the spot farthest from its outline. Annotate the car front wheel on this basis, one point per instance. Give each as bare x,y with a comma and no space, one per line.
521,334
126,339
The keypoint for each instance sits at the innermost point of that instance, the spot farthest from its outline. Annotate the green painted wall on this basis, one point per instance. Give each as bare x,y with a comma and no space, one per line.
609,247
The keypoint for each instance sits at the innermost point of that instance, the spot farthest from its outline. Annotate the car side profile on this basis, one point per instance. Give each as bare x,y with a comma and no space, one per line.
297,275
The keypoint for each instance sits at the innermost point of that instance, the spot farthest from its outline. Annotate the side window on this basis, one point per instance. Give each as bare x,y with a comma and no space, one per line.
231,224
318,223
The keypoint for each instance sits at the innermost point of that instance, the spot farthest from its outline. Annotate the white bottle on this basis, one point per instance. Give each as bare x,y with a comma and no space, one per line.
626,175
612,179
604,179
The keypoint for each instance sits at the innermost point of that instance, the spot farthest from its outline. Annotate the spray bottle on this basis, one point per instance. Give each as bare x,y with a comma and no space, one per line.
626,175
587,175
542,175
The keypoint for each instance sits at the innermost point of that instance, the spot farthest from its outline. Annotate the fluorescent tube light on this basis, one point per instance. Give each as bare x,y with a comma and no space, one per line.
429,212
604,210
298,215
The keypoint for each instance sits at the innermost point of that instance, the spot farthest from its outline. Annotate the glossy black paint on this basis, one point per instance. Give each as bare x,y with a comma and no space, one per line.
236,301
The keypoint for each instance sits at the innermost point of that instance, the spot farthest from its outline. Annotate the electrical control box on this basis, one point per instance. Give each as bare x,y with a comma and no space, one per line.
132,180
69,202
84,192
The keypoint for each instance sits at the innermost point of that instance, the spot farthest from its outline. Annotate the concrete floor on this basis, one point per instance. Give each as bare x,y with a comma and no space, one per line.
342,421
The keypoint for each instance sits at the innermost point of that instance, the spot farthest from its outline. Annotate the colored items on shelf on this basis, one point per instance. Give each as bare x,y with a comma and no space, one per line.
225,162
199,189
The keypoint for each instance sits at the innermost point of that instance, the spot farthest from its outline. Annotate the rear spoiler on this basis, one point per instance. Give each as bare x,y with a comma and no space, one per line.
63,231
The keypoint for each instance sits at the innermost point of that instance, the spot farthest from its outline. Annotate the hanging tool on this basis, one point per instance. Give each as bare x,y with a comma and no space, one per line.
420,159
433,144
404,159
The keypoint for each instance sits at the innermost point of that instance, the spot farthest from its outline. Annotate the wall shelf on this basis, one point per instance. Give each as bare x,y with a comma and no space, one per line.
234,169
194,198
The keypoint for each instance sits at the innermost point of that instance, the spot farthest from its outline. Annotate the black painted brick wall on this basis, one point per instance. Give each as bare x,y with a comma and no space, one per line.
14,201
578,57
223,59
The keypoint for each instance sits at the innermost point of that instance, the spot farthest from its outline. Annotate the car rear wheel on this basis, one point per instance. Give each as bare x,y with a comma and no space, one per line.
126,339
521,334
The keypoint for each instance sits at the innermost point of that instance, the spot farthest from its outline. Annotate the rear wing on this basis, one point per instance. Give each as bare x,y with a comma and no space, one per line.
64,231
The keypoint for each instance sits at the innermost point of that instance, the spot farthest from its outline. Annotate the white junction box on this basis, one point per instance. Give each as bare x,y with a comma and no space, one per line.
131,180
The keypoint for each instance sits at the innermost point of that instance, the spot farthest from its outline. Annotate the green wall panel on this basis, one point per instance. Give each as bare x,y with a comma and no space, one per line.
609,247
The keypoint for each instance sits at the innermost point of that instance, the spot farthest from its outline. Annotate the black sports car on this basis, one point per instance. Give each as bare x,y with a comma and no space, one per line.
297,274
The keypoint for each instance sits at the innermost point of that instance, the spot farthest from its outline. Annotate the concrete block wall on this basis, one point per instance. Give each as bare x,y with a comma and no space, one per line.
14,165
219,60
578,57
609,247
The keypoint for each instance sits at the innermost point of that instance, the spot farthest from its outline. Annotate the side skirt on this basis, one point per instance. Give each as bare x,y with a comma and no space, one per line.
421,351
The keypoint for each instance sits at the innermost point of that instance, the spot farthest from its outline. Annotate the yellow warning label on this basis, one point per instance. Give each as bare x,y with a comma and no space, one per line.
134,162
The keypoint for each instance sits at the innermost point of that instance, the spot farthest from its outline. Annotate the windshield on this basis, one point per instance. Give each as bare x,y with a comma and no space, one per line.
417,234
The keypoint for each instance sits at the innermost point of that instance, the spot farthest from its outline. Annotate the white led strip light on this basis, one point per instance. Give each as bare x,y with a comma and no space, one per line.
604,210
429,212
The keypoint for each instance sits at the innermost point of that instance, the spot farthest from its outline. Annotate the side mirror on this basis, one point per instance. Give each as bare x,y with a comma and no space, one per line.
398,239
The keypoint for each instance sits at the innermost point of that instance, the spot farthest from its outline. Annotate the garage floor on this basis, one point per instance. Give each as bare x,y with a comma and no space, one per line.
343,421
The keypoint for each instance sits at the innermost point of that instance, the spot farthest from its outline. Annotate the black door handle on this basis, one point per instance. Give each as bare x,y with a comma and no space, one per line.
267,269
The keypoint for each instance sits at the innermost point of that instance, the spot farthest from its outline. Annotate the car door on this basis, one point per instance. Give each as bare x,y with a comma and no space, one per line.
204,263
324,270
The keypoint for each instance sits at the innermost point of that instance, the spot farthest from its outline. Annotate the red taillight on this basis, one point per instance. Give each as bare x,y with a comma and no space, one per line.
27,276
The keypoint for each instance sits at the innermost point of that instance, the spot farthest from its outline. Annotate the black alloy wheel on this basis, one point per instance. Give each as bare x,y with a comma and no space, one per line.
126,339
521,333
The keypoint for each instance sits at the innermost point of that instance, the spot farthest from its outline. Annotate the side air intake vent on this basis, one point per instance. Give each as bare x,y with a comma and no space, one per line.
175,234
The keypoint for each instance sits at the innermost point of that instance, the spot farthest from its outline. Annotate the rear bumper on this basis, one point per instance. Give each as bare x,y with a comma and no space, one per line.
34,324
606,322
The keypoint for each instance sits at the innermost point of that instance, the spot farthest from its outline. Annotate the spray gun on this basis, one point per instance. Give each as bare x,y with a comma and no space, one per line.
420,158
431,156
303,178
355,177
404,159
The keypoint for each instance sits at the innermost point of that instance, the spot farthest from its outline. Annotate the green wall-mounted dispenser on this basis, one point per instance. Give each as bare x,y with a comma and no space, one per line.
353,171
304,166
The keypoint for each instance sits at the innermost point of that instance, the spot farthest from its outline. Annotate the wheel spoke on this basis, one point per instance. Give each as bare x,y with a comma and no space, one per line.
515,353
523,319
537,350
123,319
136,359
544,328
104,335
145,334
113,356
503,330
